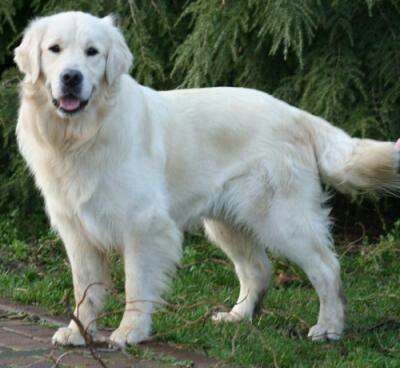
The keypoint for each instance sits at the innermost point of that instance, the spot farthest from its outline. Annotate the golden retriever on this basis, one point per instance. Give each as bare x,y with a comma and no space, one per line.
123,166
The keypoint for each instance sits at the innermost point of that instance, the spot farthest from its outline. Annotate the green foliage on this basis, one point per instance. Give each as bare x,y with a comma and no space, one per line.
16,185
290,25
338,59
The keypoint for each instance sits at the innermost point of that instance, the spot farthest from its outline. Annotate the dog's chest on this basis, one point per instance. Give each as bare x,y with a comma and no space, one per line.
88,198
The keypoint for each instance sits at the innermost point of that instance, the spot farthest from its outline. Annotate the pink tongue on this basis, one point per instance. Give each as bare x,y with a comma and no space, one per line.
69,103
397,145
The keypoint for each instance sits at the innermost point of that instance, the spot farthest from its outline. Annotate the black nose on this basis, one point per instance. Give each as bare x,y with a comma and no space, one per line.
71,77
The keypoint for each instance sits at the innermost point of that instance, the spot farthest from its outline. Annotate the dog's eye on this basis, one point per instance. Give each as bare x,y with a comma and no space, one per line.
91,51
55,48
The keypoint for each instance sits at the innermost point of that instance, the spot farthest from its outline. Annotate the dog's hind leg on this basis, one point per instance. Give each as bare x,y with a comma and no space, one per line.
298,228
252,267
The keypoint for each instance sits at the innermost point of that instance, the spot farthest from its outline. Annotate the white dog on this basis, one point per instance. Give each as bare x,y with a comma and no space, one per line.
123,166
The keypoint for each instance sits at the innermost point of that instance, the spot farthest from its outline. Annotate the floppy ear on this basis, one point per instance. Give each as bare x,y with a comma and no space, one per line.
119,57
27,54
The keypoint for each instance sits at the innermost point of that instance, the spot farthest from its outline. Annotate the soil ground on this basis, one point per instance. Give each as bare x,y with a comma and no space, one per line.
25,341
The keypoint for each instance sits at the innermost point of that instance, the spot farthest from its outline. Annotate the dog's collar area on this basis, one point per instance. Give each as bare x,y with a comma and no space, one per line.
68,108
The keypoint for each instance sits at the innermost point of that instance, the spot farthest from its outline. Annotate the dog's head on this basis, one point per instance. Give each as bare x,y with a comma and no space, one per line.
72,54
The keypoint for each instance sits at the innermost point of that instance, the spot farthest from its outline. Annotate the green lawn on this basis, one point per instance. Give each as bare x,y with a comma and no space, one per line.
35,271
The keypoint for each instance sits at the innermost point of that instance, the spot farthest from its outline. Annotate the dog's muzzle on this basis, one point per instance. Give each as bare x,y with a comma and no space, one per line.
70,102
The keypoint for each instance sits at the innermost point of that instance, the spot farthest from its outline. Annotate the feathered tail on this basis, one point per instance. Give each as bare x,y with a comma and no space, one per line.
350,163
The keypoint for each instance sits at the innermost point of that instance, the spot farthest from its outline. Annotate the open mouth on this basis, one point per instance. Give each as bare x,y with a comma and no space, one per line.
70,104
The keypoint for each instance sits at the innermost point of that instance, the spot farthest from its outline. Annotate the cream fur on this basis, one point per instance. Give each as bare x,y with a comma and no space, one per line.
137,167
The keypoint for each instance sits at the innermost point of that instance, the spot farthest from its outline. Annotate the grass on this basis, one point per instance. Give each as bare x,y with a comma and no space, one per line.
34,270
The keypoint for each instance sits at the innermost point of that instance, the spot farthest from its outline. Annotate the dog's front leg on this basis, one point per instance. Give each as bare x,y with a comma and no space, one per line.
151,251
91,280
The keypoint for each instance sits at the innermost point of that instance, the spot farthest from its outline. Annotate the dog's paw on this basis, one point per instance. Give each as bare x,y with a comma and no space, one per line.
226,317
66,336
323,333
124,336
